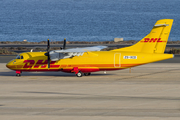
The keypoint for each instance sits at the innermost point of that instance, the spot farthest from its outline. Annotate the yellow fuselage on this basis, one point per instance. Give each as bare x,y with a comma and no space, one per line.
150,49
88,62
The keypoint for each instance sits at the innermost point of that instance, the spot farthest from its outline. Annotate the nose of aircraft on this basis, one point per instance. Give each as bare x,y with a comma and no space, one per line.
10,65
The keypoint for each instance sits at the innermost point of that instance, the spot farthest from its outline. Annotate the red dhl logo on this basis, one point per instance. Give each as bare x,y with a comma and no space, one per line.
39,63
152,40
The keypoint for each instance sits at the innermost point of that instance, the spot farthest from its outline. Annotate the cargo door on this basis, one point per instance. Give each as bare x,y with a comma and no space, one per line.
117,60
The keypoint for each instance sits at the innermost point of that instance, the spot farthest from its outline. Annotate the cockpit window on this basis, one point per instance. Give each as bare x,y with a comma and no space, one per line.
19,57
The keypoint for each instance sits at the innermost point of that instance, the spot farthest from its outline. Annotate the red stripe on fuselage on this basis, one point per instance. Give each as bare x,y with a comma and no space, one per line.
87,68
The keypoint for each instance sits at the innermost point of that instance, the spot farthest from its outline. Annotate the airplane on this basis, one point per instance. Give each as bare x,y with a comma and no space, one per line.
84,61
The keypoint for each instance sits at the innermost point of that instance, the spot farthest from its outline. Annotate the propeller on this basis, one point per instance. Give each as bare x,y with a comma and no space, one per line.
48,45
48,50
47,53
64,44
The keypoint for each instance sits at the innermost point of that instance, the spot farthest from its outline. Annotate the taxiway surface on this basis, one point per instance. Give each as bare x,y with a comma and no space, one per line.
150,92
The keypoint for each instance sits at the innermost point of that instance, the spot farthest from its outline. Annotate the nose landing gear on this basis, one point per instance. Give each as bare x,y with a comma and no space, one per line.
18,73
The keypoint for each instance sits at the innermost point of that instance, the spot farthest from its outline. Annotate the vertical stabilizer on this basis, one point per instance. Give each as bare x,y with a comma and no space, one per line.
155,41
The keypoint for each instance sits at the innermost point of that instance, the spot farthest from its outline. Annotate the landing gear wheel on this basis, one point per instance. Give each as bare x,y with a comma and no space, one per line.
18,75
79,74
87,74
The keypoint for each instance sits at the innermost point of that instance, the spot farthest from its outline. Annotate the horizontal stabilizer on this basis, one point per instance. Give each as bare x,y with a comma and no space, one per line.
160,25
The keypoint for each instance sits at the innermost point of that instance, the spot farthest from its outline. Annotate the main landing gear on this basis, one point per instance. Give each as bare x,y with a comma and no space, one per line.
79,74
87,74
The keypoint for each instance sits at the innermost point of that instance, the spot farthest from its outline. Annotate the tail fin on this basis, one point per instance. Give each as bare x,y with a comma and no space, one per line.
155,41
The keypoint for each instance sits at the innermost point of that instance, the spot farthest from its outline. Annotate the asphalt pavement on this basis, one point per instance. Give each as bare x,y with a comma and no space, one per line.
149,92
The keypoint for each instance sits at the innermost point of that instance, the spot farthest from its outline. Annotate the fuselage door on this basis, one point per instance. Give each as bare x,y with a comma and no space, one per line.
117,60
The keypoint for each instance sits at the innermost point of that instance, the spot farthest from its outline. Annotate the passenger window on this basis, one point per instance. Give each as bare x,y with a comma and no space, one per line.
22,57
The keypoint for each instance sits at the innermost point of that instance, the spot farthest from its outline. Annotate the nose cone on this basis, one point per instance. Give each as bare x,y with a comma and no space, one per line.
7,65
10,65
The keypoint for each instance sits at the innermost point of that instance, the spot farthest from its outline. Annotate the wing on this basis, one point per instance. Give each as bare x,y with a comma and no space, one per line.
69,53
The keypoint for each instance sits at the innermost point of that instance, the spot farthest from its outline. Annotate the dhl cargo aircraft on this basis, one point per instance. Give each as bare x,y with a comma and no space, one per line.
90,59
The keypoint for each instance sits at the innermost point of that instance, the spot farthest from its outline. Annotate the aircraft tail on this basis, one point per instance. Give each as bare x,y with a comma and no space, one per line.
155,41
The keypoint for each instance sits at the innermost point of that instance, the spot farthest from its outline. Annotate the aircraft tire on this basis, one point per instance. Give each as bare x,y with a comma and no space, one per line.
18,75
79,74
87,74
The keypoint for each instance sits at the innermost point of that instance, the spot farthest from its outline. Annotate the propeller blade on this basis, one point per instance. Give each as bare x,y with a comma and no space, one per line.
48,61
64,45
47,53
48,45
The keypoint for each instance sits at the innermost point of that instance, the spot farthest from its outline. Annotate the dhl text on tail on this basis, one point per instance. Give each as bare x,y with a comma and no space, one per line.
90,59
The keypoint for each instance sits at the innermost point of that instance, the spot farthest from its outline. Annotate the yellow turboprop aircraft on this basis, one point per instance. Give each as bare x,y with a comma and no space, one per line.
90,59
